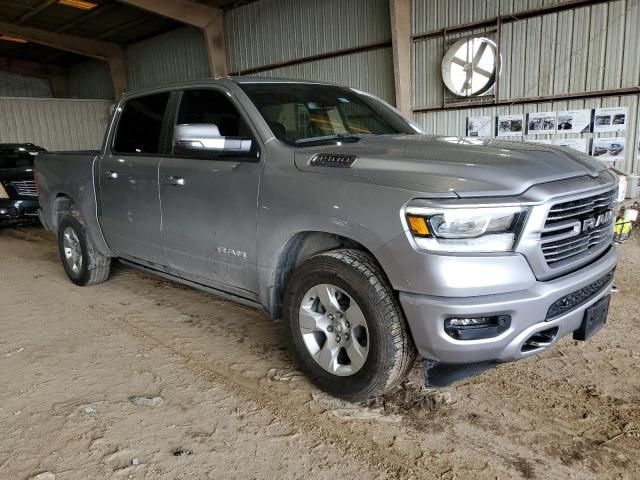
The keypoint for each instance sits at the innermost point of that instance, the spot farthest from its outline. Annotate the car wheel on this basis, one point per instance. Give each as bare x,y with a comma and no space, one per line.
346,328
82,263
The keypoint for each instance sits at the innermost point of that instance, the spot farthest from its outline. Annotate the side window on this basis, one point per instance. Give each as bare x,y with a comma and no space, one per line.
212,107
140,124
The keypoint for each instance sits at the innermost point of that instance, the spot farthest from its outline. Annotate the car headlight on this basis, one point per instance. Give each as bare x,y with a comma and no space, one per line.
3,192
473,229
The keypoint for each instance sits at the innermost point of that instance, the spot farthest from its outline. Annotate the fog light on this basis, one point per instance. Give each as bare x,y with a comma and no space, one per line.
475,328
3,211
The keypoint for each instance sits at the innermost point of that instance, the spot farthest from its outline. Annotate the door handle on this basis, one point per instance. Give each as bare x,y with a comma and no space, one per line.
110,174
176,181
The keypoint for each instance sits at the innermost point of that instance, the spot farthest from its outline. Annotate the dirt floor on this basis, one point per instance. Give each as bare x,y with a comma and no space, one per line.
143,378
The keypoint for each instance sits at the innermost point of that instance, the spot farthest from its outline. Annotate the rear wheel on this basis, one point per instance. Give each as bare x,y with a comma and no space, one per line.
82,263
346,328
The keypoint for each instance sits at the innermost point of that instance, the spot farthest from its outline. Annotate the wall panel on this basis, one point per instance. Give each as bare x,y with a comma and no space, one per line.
275,31
90,79
169,58
453,122
55,124
14,85
574,51
368,71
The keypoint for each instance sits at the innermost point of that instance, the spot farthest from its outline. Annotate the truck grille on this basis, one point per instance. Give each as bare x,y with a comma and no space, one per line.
575,227
26,188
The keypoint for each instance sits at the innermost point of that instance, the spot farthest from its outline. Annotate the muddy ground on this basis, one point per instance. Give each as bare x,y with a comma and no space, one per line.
224,400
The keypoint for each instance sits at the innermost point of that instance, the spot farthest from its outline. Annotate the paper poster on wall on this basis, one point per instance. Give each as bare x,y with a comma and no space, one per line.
610,119
510,125
479,126
579,144
609,149
539,123
574,121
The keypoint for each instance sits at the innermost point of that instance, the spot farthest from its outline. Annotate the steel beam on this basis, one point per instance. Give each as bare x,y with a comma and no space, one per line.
401,40
112,53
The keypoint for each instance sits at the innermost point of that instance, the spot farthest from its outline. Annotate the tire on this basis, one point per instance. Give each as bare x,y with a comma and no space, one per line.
390,350
88,268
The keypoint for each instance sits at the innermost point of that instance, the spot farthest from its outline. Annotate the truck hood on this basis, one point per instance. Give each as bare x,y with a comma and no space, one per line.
453,166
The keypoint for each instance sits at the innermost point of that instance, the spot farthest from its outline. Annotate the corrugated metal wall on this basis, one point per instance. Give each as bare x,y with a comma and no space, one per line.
90,79
431,15
454,122
568,52
368,71
55,124
14,85
274,31
268,32
169,58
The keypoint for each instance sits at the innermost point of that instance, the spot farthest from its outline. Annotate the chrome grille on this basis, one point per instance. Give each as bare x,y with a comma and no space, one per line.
582,207
564,235
26,188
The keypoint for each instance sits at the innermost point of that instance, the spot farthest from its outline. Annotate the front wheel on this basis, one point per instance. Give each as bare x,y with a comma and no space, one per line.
82,263
346,328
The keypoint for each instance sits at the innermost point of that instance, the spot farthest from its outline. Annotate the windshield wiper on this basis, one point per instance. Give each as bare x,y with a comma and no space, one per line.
344,137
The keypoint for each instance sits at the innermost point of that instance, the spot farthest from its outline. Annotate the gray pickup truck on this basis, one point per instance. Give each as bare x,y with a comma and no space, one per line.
324,206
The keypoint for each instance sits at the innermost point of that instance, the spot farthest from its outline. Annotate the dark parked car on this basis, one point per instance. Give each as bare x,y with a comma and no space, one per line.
18,191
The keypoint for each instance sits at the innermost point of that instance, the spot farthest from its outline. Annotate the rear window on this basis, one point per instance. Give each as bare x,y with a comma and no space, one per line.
140,125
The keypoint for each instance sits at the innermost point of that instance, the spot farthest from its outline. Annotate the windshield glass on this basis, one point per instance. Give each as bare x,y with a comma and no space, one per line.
300,113
16,157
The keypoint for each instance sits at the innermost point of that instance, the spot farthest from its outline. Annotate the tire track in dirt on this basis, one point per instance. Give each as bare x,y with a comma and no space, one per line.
515,399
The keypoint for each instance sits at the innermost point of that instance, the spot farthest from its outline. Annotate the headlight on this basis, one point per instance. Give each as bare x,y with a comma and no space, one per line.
482,229
3,192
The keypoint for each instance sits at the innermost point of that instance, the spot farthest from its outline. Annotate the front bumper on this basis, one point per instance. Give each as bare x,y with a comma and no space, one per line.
15,210
528,309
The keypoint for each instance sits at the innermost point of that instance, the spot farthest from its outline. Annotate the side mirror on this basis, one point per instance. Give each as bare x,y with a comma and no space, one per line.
204,141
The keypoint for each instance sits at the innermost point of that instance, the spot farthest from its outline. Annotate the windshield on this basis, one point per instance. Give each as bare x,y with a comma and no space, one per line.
17,157
301,114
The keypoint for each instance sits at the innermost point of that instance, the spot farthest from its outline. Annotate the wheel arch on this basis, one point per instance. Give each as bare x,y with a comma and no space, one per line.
62,203
300,247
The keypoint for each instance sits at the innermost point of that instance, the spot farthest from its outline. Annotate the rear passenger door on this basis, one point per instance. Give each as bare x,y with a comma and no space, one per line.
130,203
209,204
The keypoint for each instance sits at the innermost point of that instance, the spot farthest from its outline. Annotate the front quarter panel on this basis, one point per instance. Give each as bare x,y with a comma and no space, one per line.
293,202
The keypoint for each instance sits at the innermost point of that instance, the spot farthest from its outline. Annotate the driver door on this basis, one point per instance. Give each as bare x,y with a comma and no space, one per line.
209,202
